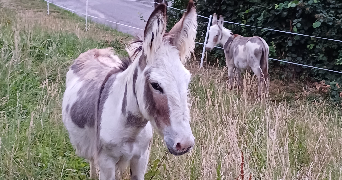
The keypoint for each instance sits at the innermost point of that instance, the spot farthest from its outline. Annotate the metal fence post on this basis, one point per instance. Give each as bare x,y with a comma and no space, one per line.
205,41
86,15
48,7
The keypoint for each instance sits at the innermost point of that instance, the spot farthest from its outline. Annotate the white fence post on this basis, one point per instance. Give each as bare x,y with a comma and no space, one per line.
205,41
86,15
48,7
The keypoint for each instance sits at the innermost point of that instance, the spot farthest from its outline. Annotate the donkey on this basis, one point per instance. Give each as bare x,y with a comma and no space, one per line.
110,105
241,52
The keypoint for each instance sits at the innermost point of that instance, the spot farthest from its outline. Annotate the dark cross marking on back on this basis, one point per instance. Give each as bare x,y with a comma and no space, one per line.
135,76
124,101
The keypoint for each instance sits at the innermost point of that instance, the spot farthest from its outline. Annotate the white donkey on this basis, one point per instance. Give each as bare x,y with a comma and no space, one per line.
241,52
110,105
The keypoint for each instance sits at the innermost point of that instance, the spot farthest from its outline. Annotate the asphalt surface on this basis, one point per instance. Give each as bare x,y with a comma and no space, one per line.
129,12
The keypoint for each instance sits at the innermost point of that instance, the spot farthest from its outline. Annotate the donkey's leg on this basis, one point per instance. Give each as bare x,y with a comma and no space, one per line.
230,77
139,165
258,73
106,166
239,80
93,169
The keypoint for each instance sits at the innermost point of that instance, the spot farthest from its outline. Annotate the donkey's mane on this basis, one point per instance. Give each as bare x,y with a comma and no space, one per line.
135,48
125,63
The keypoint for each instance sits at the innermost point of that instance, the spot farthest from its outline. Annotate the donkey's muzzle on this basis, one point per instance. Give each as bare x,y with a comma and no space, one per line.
181,147
178,153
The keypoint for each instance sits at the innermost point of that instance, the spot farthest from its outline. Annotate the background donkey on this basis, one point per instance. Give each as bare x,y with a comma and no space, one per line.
241,53
110,105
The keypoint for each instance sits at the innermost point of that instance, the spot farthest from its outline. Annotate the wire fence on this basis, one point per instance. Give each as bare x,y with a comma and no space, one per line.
207,33
287,32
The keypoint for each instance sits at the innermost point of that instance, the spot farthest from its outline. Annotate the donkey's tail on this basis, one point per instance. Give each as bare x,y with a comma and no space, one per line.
264,64
264,58
264,61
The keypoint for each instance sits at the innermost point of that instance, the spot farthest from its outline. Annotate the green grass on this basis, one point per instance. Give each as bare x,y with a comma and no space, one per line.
279,139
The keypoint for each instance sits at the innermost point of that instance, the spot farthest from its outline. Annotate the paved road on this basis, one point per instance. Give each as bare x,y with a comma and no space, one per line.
129,12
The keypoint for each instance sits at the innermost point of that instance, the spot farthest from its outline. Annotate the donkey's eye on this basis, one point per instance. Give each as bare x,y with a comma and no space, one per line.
157,87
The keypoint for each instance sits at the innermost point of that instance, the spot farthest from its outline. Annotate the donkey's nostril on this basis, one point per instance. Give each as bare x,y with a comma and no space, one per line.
178,147
181,148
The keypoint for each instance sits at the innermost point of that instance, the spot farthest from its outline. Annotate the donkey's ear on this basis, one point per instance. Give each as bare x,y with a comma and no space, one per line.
220,22
154,31
184,32
157,2
214,19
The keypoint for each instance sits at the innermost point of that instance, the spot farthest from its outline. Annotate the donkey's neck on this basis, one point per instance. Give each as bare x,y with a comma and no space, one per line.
130,107
225,36
121,113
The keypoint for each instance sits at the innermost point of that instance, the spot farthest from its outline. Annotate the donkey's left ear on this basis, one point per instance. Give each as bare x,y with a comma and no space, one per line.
220,22
154,31
214,19
185,31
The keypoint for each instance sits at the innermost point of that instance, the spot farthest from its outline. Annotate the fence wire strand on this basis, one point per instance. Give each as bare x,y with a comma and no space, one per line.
298,64
304,65
286,32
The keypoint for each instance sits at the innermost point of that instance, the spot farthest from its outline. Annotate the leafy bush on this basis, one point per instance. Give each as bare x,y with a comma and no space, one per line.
311,17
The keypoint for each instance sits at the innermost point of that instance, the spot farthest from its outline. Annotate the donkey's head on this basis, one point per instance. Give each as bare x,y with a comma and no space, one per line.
216,33
163,80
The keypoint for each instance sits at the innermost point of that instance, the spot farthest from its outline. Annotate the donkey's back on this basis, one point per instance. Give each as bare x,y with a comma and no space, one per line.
249,53
80,102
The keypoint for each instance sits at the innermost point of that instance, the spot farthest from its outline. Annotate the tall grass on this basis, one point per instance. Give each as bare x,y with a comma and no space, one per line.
272,140
236,135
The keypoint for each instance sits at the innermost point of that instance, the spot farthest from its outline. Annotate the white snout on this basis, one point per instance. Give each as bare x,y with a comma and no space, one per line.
184,144
179,144
209,46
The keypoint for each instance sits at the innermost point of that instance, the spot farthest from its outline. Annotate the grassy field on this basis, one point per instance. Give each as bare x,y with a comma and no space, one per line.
294,135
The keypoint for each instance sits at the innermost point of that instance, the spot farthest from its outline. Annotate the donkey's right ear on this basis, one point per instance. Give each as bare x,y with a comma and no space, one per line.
214,19
154,31
221,21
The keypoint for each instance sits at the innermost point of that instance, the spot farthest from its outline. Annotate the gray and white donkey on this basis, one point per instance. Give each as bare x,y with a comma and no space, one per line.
241,53
110,105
